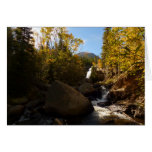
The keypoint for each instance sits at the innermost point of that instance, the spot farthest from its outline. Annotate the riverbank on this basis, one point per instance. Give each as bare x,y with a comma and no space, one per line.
33,112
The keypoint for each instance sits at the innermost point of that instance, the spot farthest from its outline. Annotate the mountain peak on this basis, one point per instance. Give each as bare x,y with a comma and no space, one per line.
86,54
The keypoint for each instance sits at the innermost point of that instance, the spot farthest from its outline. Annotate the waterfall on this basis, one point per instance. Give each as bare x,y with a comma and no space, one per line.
89,73
104,96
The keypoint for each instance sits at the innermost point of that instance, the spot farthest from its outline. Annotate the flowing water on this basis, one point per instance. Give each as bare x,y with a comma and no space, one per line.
100,115
89,73
103,90
103,98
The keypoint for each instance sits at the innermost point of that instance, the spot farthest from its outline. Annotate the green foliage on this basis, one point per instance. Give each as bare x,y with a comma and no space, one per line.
87,61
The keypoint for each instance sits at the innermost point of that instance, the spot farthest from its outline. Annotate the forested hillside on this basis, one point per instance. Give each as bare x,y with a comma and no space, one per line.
88,59
123,51
87,54
123,62
50,83
48,57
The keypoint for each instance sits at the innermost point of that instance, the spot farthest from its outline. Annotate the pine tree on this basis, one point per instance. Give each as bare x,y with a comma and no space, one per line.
22,70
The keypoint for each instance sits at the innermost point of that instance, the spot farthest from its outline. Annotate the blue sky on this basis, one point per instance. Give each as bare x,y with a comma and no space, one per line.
92,37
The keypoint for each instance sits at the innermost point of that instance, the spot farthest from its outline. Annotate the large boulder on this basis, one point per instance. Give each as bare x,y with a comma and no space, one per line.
65,101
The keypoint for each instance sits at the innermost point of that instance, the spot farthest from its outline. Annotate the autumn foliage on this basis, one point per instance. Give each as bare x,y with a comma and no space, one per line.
123,50
41,57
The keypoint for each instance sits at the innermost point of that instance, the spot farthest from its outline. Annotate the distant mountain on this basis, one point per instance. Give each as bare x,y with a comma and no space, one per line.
87,54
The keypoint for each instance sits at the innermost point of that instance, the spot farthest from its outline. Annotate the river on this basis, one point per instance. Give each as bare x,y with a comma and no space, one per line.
104,115
100,116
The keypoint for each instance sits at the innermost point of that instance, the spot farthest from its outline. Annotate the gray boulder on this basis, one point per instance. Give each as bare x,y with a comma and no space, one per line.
65,101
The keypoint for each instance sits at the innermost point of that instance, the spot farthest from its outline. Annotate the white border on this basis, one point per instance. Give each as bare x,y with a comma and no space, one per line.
74,13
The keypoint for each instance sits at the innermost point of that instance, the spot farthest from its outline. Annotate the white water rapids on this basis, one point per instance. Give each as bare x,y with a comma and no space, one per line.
104,97
101,115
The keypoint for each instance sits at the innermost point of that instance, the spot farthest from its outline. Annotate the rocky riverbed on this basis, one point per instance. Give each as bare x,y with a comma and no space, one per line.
61,104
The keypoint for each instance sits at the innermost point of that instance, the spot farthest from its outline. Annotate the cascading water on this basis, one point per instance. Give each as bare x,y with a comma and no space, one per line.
105,93
89,73
104,96
103,89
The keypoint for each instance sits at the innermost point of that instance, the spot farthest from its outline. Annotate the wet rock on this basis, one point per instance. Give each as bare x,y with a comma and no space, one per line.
104,116
103,104
65,101
117,108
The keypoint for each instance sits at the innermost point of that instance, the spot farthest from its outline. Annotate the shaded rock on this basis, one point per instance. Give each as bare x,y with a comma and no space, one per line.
34,93
37,94
34,117
115,95
86,88
65,101
14,113
42,86
103,104
90,91
135,111
33,104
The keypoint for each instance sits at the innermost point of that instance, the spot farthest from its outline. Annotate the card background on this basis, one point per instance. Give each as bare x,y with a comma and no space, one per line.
75,138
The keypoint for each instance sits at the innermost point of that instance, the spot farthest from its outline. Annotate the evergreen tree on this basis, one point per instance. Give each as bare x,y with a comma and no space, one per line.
20,61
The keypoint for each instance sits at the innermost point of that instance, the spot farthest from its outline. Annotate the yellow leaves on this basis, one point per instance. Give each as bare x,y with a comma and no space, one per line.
99,63
51,60
123,48
93,63
76,56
